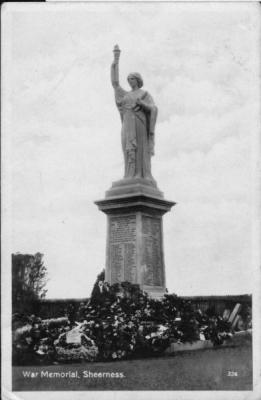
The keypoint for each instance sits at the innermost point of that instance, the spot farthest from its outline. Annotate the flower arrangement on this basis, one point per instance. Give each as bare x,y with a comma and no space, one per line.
118,322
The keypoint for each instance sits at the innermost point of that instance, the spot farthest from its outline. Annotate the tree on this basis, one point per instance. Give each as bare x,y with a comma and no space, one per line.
29,278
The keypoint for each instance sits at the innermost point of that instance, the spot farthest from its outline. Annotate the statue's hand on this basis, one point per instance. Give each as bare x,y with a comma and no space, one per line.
115,63
139,103
116,53
136,106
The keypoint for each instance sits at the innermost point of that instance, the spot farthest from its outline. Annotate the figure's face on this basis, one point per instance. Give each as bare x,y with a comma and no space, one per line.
133,82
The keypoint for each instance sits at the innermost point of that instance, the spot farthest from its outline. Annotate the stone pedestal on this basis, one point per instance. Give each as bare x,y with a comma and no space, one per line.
134,251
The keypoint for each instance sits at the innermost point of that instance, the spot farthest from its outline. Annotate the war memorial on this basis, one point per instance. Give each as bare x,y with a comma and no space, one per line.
130,316
134,205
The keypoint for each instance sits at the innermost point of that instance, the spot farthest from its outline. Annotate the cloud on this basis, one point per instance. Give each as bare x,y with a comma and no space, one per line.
224,172
206,245
199,63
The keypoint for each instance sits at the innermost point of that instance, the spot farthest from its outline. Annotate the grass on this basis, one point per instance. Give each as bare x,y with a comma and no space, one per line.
199,370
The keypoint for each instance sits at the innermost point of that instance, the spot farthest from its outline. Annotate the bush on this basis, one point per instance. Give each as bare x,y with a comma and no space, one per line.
119,322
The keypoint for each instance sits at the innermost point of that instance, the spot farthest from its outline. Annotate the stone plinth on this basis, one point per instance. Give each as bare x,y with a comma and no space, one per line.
134,250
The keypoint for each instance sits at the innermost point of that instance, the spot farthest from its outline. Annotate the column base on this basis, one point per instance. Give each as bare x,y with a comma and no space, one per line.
129,186
134,250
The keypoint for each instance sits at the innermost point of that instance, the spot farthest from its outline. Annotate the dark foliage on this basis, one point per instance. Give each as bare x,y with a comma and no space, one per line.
121,321
29,277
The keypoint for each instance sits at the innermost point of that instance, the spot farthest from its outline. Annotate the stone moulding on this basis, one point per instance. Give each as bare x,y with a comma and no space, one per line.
134,202
134,249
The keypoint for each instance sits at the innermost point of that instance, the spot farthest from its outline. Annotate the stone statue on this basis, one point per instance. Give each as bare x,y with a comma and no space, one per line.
138,115
134,205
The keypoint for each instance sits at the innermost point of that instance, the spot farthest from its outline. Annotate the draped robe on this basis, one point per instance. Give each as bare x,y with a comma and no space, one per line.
137,133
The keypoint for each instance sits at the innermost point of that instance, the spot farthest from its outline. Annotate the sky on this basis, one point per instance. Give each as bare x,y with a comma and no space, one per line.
62,146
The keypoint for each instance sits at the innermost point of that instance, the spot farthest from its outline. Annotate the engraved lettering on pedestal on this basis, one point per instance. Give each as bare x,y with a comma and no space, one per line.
117,259
122,242
152,253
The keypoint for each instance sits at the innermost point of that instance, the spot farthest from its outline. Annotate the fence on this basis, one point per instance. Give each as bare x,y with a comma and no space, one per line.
50,308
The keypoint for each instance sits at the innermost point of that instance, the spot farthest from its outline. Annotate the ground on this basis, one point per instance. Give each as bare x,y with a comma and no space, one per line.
214,369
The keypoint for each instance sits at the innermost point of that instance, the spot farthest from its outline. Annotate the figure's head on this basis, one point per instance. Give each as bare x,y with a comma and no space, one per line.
135,80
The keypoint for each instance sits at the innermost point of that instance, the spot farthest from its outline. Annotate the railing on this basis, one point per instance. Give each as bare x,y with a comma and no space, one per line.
50,308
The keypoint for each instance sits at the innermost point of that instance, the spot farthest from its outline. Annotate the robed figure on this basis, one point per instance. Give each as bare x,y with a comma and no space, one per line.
138,115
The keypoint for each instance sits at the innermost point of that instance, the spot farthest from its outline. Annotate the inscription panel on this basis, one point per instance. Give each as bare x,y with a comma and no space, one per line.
152,259
122,248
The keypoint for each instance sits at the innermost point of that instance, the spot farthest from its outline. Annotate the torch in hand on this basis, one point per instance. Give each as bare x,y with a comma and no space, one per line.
116,52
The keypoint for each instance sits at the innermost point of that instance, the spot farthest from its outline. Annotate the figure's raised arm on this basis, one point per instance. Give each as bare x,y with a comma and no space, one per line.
115,67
